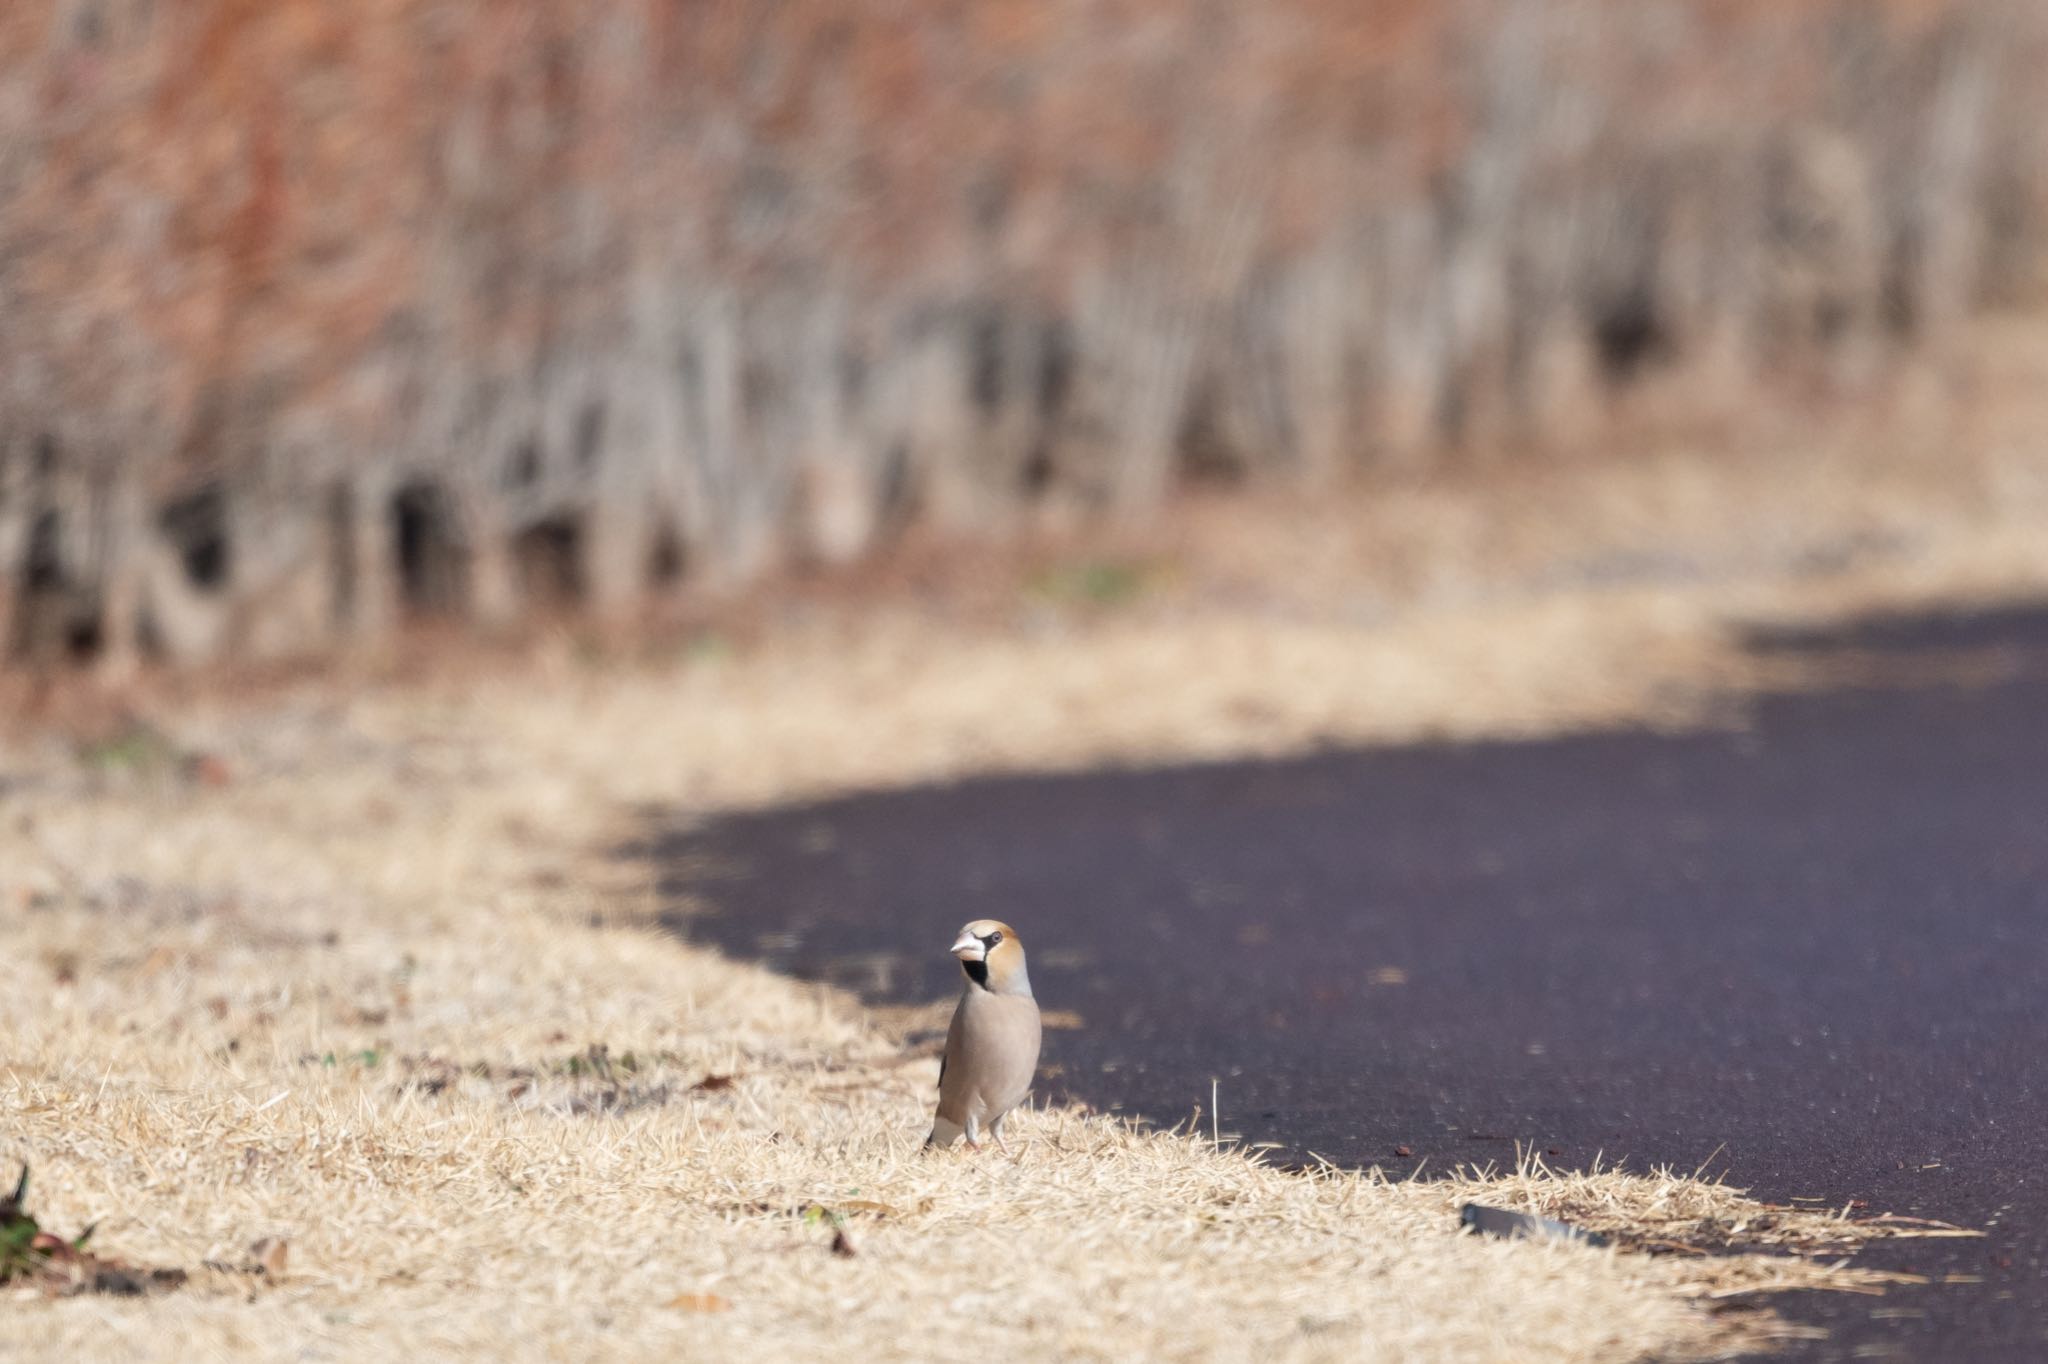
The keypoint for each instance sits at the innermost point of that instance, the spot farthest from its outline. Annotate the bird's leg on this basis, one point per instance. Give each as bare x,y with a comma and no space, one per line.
996,1130
974,1133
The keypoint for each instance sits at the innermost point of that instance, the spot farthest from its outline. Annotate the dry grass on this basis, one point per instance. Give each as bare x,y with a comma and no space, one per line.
365,1036
340,980
399,1104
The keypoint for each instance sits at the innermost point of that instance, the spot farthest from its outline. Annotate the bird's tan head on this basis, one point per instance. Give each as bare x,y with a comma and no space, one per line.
992,957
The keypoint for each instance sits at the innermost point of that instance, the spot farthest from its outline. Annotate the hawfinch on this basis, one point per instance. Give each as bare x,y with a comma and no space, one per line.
992,1047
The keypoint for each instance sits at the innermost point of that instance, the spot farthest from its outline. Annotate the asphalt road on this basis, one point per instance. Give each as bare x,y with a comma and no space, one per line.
1813,951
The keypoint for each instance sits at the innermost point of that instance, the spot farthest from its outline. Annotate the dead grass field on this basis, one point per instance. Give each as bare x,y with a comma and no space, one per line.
340,960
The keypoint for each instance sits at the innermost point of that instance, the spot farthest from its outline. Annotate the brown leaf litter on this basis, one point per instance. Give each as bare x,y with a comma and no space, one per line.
38,1262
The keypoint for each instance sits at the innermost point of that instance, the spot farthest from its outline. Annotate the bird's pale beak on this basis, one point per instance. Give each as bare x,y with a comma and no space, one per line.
969,948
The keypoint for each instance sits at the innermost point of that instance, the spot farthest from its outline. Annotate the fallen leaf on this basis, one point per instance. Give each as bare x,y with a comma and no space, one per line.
270,1255
159,960
712,1083
209,769
125,1281
699,1302
54,1266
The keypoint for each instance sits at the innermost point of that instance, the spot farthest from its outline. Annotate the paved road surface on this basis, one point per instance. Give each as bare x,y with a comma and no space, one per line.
1815,951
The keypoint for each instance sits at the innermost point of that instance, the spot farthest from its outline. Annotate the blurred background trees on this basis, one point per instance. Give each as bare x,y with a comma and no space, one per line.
317,317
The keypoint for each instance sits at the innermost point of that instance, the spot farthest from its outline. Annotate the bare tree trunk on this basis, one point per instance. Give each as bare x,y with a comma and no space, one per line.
365,552
125,538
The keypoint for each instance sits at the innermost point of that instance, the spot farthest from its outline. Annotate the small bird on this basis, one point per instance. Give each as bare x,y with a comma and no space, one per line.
992,1047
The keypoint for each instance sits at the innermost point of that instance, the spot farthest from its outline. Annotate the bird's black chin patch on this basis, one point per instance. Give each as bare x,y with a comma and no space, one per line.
977,971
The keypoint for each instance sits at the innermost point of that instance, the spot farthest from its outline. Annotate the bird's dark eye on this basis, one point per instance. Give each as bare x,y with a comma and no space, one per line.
992,939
